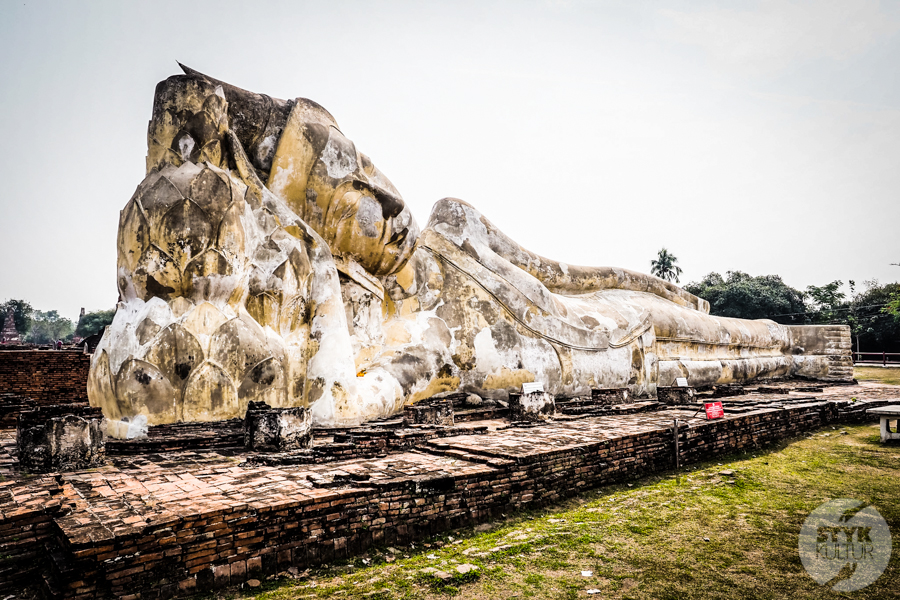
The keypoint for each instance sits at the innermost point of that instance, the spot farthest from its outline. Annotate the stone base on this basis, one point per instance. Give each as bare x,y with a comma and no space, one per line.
534,406
268,429
675,396
611,396
60,438
435,412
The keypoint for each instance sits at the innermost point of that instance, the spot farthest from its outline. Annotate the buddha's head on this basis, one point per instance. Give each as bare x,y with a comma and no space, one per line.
340,192
298,151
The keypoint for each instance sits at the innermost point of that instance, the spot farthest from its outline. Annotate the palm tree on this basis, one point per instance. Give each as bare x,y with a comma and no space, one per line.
664,266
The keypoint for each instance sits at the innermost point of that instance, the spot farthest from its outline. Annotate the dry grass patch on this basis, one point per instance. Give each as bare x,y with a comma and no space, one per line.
885,375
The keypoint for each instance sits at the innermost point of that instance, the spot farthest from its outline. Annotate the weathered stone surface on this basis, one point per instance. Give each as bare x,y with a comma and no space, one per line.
277,429
265,258
675,396
533,406
474,400
432,412
60,438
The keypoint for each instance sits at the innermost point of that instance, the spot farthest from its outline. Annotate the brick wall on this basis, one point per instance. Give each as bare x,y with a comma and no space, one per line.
23,535
43,376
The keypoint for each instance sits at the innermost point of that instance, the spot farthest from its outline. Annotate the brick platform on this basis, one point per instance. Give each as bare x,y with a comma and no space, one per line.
154,525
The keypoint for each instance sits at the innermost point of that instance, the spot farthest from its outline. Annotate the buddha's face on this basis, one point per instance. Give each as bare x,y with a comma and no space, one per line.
342,195
375,229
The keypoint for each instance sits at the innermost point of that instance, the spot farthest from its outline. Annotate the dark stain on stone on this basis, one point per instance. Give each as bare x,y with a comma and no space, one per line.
637,365
317,134
155,288
216,397
505,335
411,367
315,390
391,206
262,374
142,377
183,369
297,386
408,359
590,321
399,237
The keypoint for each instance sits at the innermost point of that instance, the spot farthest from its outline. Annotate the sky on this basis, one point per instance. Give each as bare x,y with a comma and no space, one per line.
754,136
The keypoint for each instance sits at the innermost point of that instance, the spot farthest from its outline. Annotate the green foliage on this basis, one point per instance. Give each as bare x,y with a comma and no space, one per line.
873,325
22,311
743,296
827,302
893,307
47,327
94,322
664,267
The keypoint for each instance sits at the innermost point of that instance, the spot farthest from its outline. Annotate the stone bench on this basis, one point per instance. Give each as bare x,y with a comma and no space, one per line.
888,414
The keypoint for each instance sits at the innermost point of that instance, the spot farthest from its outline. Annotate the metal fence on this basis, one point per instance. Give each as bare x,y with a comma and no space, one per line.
877,358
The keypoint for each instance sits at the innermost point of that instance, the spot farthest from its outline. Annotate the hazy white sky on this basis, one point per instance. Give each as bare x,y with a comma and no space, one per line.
753,136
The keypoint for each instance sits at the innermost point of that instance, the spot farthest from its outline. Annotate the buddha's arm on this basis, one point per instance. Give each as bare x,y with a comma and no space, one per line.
461,223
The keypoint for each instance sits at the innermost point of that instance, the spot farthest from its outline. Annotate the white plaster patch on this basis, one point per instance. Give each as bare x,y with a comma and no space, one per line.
489,359
267,148
338,162
186,145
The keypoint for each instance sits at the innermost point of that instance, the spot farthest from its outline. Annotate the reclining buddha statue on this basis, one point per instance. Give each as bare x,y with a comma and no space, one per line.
264,258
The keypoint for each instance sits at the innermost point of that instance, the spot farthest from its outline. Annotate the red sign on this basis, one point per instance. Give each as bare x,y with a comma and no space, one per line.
714,410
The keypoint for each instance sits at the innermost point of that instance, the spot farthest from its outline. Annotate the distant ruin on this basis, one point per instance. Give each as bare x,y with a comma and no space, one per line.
9,334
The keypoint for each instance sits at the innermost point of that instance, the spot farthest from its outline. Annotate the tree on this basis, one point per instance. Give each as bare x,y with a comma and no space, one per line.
47,327
827,303
874,329
743,296
94,322
664,267
22,312
893,307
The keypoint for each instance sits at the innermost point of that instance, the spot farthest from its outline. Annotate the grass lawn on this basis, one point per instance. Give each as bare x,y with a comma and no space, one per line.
888,375
693,534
